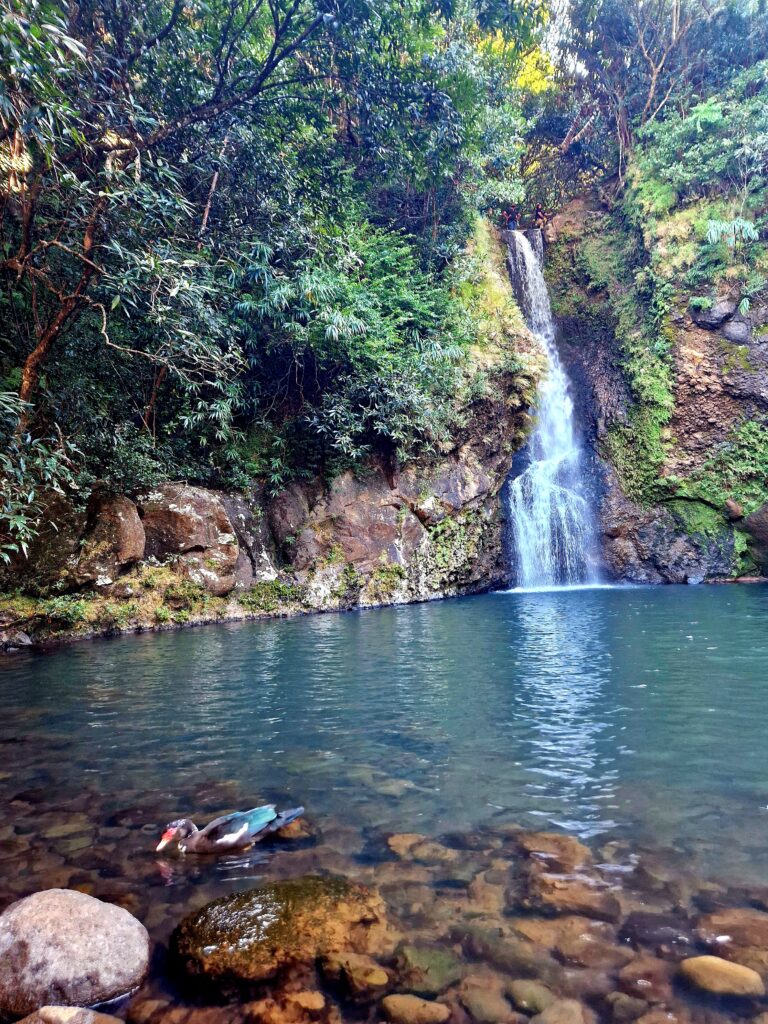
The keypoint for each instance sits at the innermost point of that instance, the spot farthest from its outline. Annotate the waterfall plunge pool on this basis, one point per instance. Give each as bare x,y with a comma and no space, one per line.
636,714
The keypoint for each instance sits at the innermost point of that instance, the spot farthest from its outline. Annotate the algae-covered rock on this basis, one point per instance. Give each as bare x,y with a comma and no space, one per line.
530,996
428,970
251,936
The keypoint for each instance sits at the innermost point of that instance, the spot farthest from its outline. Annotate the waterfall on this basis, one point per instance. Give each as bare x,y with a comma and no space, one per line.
550,514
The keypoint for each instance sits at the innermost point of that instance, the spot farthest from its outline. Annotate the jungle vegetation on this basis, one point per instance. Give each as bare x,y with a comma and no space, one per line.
232,232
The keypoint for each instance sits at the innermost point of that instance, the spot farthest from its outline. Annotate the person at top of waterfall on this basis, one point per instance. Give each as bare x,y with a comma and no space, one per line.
539,217
510,218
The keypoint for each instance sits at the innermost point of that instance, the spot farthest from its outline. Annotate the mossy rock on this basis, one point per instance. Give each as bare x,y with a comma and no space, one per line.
252,936
428,970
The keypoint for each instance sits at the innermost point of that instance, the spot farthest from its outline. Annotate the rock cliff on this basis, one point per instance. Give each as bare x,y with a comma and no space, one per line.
383,534
673,393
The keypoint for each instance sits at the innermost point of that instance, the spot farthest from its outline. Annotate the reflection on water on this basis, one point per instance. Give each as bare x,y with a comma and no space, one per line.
636,713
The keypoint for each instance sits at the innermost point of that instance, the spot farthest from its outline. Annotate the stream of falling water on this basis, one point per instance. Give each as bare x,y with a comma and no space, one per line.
551,517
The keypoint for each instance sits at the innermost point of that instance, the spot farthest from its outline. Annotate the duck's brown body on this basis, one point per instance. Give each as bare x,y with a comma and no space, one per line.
229,833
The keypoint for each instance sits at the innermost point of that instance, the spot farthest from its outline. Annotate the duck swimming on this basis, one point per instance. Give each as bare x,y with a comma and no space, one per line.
231,832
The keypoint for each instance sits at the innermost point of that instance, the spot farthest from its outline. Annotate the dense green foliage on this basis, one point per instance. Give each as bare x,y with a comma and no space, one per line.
228,230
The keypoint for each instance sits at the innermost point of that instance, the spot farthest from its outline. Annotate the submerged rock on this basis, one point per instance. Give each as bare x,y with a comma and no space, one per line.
484,1001
405,1009
428,970
530,996
577,894
647,978
659,931
360,975
738,934
251,936
566,1011
68,1015
64,947
721,977
559,852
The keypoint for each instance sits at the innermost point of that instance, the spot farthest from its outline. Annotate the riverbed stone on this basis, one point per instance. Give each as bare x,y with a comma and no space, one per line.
738,934
661,932
509,953
68,1015
427,970
565,1011
361,976
721,977
484,1001
562,853
401,843
648,978
409,1009
530,996
625,1008
570,894
64,947
252,936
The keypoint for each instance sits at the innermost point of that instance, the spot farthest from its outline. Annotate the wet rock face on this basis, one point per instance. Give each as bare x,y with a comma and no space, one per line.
190,524
756,526
114,541
715,316
646,544
64,947
718,380
253,936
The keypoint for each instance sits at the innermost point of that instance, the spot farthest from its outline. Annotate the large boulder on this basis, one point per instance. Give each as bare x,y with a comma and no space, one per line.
715,316
190,525
114,540
253,936
64,947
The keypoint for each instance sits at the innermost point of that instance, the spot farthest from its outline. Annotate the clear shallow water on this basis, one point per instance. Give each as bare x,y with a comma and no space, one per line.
637,713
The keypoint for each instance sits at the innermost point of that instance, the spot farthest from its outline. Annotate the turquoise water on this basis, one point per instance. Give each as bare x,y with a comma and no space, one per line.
637,713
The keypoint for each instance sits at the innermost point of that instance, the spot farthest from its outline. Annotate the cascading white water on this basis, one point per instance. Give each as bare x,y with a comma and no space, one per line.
551,519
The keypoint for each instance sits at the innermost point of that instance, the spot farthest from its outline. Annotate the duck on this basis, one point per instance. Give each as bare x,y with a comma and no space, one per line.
235,831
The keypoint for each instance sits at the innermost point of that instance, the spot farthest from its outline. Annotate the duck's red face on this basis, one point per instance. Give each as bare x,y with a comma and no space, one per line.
171,833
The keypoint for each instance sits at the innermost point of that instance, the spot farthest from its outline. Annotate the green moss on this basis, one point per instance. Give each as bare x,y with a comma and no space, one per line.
270,595
698,518
737,470
607,289
68,610
385,580
348,588
737,357
185,595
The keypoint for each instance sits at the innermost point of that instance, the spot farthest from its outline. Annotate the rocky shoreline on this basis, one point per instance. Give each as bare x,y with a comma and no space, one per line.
499,926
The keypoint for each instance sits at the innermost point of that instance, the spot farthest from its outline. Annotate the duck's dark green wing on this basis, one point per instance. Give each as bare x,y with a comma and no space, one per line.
235,829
